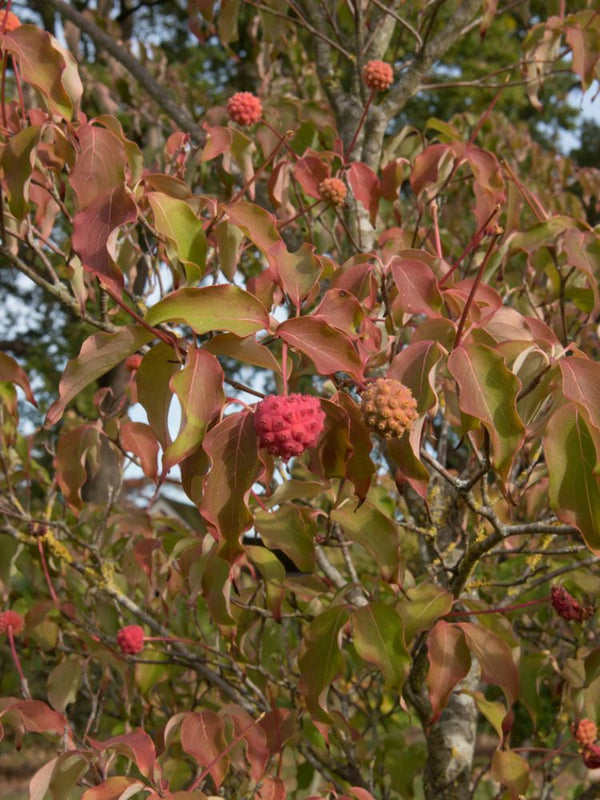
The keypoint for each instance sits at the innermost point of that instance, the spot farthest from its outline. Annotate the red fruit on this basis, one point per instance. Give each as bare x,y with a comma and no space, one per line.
133,362
131,639
286,426
244,108
333,190
10,619
9,21
585,732
591,756
378,75
567,607
388,407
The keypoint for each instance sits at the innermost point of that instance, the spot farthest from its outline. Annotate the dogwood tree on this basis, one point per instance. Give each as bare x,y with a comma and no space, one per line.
359,560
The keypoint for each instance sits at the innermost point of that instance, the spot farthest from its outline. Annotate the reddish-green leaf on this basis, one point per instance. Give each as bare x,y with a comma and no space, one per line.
494,657
415,367
17,162
253,737
581,383
47,66
322,659
64,682
116,788
273,574
76,447
571,446
449,663
12,372
511,770
330,457
99,166
431,168
139,439
257,224
405,451
330,350
137,746
359,467
288,529
378,638
202,737
422,605
99,354
212,308
59,777
296,272
175,220
247,350
199,387
365,186
488,391
370,528
95,233
232,448
418,291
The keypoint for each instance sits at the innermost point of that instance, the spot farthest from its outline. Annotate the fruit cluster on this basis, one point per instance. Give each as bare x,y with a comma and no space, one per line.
567,607
388,407
10,619
244,108
286,426
9,22
333,191
378,75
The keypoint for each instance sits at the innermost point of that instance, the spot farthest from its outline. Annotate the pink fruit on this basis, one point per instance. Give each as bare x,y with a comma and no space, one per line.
10,619
333,190
378,75
131,639
244,108
286,426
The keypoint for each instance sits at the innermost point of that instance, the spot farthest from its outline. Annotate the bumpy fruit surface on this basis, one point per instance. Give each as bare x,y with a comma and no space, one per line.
131,639
244,108
10,619
585,732
286,426
333,190
8,21
388,407
378,75
567,607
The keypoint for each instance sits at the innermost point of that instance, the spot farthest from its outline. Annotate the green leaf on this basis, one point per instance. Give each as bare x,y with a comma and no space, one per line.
322,660
212,308
571,447
233,451
296,272
378,638
370,528
199,387
359,468
422,606
511,770
449,663
493,710
273,574
64,682
47,66
153,388
247,350
59,776
17,162
488,391
330,350
174,219
288,529
99,353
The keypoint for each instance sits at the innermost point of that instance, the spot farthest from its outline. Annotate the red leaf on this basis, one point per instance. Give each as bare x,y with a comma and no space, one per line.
271,789
139,439
153,388
254,737
365,185
202,737
415,367
218,140
74,447
99,166
233,450
310,171
581,383
95,232
449,663
494,657
418,291
136,746
11,371
329,349
112,789
429,164
298,272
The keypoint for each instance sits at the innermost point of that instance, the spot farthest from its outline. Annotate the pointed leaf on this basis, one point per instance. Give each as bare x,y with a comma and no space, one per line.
139,439
288,529
99,165
233,451
580,383
137,746
488,391
571,447
220,308
153,388
199,387
59,776
174,219
365,186
64,682
95,232
418,291
12,372
322,660
17,162
330,350
449,663
495,659
247,350
511,770
116,788
99,354
203,737
296,272
378,638
415,367
370,528
422,606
